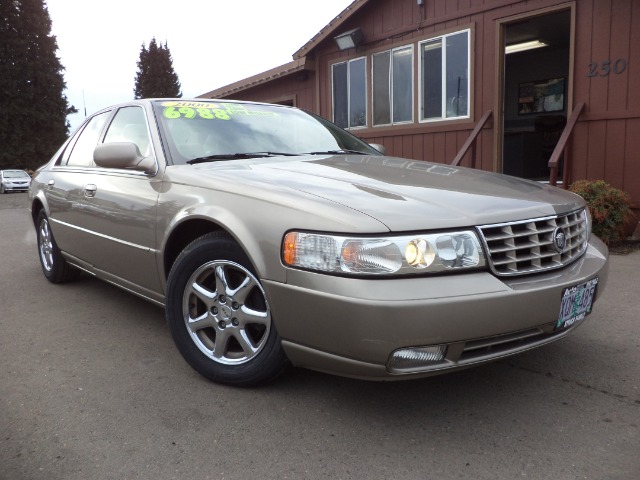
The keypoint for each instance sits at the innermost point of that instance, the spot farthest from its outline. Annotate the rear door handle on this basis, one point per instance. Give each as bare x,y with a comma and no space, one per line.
90,190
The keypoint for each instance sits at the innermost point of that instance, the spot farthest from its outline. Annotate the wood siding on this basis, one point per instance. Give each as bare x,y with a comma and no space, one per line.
606,141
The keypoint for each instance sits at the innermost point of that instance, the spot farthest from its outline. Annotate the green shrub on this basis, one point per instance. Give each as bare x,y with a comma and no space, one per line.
609,207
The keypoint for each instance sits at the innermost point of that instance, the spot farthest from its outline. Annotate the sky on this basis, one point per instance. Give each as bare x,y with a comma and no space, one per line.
213,43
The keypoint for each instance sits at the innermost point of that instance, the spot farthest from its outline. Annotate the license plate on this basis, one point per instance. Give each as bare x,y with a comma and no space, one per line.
576,303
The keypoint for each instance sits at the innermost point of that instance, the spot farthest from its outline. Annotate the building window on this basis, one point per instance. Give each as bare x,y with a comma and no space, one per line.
445,77
393,86
350,93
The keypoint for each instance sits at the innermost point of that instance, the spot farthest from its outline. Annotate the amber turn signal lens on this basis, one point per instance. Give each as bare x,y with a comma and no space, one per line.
289,248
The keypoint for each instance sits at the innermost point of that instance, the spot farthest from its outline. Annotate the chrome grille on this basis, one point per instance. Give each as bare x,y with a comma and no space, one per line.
529,246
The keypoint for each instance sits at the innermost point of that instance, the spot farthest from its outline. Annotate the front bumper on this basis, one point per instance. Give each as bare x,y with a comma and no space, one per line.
11,187
351,327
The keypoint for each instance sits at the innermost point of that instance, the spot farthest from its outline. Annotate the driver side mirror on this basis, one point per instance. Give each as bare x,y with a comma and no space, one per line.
125,155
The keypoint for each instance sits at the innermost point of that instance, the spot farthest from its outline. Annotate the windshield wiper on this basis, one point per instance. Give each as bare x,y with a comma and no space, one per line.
338,152
235,156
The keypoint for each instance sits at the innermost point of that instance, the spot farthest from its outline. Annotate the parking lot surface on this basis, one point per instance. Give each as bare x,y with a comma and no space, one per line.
92,387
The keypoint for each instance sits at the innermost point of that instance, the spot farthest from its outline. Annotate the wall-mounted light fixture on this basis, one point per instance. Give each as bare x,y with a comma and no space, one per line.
521,47
350,39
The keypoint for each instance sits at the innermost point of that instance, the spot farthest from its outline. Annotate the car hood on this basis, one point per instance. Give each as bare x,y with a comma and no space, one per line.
402,194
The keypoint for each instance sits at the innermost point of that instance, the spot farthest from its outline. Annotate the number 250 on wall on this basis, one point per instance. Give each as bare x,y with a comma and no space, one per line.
602,69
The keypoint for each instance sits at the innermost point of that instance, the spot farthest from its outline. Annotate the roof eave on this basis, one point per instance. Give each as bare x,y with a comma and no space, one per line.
342,17
290,68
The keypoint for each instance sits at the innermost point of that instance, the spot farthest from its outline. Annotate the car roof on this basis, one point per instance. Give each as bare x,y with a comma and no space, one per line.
149,101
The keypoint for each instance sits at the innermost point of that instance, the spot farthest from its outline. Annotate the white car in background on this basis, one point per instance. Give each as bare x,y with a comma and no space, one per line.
14,181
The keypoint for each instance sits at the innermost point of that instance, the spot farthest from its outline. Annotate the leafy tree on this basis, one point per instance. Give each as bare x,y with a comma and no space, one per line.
33,107
156,76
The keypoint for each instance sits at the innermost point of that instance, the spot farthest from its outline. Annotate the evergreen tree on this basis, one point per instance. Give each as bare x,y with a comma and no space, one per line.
156,77
33,107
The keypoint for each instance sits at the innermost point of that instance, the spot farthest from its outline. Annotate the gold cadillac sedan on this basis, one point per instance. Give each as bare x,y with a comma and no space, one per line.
273,237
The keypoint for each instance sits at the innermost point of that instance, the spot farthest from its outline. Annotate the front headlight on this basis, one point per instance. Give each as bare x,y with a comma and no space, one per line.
394,255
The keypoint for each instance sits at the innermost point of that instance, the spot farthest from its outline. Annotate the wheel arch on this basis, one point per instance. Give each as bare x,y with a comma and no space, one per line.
36,207
190,229
182,235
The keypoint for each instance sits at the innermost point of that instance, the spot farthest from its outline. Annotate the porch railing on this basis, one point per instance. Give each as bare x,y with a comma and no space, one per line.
471,141
562,149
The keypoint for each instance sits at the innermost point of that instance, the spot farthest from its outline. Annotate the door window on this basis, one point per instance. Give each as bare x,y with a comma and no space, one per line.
130,125
81,154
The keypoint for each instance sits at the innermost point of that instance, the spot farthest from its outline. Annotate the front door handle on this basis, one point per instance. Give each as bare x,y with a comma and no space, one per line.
90,190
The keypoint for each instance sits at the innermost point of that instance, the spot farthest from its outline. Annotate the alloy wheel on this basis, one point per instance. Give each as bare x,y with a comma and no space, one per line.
226,312
45,240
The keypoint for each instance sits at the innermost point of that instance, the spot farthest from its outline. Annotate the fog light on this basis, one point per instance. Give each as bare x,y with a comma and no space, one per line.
416,358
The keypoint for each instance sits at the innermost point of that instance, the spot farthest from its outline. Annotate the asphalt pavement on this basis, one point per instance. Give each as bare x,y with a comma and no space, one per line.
92,387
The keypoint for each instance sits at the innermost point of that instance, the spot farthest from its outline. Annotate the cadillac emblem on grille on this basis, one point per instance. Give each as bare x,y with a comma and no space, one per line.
559,239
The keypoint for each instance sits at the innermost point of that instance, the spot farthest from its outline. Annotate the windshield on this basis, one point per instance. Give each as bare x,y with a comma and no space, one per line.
15,174
217,130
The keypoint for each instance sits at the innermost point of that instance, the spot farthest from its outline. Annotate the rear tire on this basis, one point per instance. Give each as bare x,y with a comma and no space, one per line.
54,266
219,315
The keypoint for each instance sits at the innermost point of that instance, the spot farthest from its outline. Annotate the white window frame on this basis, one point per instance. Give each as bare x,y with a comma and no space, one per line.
444,78
390,92
366,93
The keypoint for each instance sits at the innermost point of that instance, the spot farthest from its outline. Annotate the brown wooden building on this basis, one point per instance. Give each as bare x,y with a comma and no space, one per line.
424,76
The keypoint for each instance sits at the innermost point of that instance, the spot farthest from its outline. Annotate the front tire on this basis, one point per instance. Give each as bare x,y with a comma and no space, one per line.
219,315
54,266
